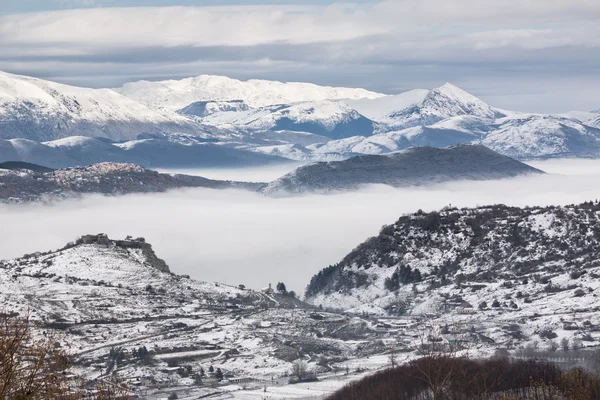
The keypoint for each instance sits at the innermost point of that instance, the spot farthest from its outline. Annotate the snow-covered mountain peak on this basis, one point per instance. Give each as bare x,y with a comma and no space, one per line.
450,90
177,94
451,100
444,102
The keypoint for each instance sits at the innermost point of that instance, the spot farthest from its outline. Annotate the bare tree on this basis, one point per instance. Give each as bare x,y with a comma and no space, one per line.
32,368
441,362
300,370
29,368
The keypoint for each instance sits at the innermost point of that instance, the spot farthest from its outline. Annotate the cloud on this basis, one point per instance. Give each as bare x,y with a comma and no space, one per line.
387,46
241,237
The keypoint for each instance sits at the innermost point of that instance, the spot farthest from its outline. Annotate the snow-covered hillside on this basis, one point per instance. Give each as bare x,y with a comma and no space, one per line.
40,110
520,136
527,136
485,261
177,94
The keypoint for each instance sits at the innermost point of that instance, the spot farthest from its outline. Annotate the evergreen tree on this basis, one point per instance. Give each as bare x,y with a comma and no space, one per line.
219,374
281,288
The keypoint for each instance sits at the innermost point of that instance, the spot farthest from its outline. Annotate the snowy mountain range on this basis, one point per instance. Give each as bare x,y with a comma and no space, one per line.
298,121
175,95
520,136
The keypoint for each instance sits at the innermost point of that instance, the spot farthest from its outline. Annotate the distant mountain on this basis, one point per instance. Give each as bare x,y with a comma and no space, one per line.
496,260
80,150
530,136
40,110
175,95
414,166
520,136
33,183
444,102
240,122
331,119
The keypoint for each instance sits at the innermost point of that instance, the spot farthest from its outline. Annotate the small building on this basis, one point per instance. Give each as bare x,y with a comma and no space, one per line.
268,290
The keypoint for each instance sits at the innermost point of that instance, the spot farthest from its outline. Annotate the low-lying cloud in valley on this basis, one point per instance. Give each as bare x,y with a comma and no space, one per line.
244,238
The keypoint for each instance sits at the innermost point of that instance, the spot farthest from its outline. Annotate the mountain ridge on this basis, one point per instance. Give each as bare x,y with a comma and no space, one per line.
176,94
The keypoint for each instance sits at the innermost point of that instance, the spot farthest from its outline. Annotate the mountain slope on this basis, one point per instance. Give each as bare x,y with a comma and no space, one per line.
414,166
528,136
330,119
40,110
80,150
175,95
443,261
594,122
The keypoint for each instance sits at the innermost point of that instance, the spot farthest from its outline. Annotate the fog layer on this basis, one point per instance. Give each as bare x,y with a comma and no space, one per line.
240,237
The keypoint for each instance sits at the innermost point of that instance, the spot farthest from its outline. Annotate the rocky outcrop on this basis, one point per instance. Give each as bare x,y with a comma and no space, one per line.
140,243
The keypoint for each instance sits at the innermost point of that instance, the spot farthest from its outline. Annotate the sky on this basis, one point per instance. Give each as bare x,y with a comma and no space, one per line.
238,237
525,55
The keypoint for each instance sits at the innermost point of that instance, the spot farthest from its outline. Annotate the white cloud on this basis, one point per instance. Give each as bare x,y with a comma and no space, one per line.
387,46
247,238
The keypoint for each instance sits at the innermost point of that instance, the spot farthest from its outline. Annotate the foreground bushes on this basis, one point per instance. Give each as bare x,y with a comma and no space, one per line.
449,378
